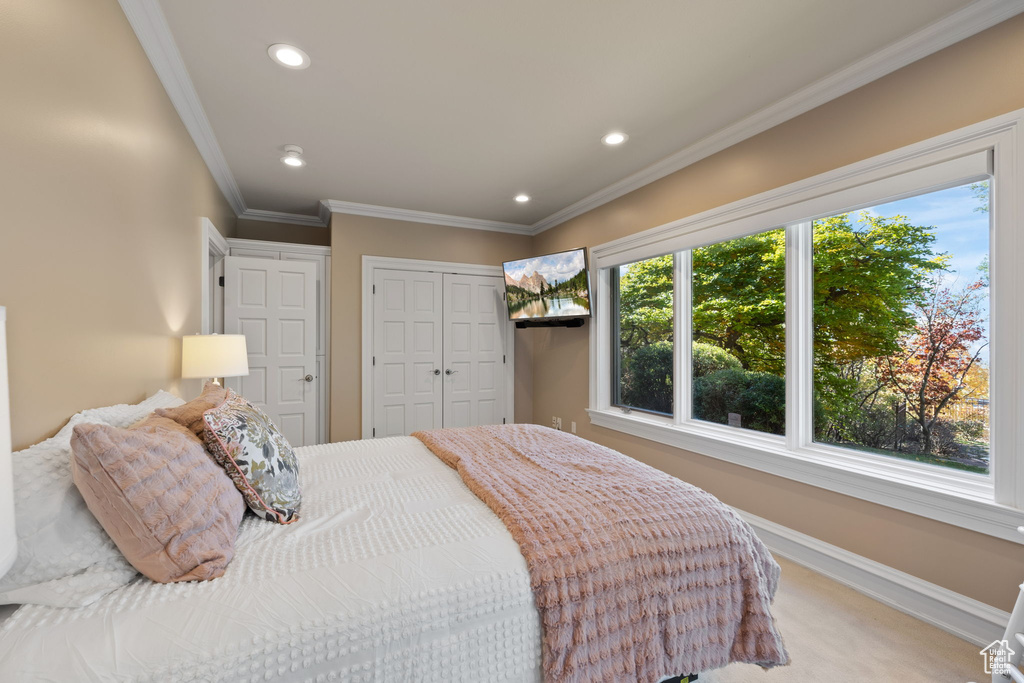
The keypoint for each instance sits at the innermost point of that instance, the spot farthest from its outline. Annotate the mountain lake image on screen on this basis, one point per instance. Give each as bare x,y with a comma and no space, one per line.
550,286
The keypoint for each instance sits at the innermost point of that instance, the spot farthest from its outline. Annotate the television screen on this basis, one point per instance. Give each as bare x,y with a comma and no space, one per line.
551,286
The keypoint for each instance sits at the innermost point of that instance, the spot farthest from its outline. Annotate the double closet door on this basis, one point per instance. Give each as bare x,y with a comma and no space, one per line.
439,351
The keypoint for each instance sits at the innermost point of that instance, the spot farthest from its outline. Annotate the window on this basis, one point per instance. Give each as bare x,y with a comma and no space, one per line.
899,312
858,330
901,328
738,313
644,335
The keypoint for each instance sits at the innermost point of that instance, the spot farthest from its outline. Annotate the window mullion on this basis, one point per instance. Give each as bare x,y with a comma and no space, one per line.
682,336
611,336
799,335
1006,428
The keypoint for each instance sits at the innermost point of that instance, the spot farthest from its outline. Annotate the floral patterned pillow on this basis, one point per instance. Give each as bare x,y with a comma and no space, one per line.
256,456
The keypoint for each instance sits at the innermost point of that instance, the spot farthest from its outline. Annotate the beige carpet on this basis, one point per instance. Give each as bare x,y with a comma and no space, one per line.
834,633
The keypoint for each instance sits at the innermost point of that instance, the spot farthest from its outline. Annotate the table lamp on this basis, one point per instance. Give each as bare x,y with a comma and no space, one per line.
8,537
213,356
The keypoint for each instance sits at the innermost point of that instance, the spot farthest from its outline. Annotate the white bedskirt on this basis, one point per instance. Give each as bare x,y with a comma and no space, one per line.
396,572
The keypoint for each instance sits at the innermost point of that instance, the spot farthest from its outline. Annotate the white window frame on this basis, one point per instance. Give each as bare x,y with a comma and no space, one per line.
991,504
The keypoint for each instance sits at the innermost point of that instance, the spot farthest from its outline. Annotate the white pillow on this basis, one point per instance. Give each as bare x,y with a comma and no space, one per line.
65,558
121,415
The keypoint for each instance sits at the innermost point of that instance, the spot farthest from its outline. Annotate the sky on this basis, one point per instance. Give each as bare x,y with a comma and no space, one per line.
560,266
961,231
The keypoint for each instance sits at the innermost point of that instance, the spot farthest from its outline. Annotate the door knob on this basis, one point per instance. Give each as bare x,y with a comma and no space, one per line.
308,378
449,371
437,371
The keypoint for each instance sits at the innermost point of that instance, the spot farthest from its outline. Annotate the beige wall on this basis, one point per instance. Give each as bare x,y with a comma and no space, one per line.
282,232
352,237
102,191
966,83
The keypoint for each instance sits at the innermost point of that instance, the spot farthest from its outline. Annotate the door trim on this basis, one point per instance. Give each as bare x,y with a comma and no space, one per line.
371,264
214,245
312,249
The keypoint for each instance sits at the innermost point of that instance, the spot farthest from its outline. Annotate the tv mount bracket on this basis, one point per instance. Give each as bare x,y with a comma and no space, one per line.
561,322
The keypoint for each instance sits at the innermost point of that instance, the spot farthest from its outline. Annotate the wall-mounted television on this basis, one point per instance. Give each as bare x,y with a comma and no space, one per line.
550,287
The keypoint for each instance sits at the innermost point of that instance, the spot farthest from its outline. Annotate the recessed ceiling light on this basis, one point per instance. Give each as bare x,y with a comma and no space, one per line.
522,198
293,156
288,56
614,139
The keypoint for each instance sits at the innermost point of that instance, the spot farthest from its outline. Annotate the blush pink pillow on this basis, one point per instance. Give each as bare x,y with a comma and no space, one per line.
171,510
191,414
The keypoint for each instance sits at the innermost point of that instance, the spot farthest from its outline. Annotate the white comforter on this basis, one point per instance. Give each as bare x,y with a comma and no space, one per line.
396,572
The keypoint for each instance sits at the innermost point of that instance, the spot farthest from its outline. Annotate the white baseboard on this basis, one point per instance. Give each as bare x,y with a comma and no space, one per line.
964,617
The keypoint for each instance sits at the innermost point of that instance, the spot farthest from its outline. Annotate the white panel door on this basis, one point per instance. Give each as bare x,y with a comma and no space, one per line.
474,350
320,262
407,354
273,303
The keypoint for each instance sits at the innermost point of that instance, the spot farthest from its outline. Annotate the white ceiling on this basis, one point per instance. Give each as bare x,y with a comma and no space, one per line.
455,106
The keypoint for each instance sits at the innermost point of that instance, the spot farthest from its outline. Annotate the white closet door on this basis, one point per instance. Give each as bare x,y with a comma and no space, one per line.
474,350
407,356
273,303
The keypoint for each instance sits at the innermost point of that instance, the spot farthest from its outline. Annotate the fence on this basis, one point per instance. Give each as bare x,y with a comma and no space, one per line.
971,409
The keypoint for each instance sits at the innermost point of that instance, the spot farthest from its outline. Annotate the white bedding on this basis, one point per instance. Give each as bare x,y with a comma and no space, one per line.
396,572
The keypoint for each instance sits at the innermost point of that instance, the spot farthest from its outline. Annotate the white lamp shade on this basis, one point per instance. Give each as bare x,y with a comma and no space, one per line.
214,355
8,537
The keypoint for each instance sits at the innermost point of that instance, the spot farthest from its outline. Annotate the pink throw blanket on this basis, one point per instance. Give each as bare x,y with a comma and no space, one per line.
636,574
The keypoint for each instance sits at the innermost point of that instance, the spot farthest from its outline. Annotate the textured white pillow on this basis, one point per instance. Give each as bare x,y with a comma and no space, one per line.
121,415
65,558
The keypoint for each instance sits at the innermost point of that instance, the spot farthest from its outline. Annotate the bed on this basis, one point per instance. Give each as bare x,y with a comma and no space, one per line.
396,572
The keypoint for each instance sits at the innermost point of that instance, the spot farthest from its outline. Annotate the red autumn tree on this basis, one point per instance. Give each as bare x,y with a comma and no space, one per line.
931,368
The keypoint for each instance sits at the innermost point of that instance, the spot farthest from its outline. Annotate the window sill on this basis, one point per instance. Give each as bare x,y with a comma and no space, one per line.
961,499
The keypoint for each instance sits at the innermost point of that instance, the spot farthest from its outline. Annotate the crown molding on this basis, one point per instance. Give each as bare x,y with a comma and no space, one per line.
325,213
352,208
150,26
953,28
282,217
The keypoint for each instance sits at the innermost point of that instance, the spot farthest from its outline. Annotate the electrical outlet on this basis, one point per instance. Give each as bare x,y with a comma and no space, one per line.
556,423
572,426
